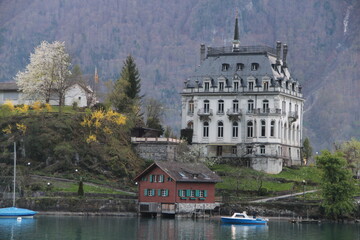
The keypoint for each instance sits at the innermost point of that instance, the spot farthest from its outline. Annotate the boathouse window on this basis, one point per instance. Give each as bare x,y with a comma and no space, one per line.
192,193
149,192
254,66
163,192
144,179
225,67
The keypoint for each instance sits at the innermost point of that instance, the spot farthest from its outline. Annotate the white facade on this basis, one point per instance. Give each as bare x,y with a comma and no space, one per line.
244,106
83,96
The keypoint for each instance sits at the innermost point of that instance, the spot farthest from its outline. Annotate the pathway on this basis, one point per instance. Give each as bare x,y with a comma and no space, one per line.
283,196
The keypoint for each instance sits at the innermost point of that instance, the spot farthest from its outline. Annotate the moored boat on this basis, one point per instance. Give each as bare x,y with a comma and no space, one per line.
14,212
243,218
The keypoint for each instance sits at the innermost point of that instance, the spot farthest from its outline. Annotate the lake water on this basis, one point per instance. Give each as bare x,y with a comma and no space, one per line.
87,228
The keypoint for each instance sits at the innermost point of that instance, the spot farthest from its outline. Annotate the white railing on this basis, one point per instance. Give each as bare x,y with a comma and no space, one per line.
155,139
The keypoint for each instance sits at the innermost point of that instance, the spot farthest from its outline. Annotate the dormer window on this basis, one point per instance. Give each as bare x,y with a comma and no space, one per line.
236,85
239,66
221,86
251,86
266,86
254,66
206,86
225,67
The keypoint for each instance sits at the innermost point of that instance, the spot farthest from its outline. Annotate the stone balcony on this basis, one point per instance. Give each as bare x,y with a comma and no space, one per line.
234,114
205,114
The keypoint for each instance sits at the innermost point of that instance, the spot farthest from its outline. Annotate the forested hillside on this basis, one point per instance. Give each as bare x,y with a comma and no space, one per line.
164,38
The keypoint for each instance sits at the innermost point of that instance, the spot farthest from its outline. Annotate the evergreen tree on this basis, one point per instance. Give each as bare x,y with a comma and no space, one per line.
125,96
338,187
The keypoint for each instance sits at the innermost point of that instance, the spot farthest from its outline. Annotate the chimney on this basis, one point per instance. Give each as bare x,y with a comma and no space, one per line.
202,53
278,49
285,50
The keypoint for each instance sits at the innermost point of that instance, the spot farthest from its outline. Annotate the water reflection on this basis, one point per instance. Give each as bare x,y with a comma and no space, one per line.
11,228
245,231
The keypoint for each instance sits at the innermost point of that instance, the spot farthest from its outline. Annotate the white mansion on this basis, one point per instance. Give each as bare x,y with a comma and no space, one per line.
244,106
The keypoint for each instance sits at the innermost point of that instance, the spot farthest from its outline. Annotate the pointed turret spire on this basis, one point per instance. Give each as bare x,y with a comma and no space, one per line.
236,41
236,31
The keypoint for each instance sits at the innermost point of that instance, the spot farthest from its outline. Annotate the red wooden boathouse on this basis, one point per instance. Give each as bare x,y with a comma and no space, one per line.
176,188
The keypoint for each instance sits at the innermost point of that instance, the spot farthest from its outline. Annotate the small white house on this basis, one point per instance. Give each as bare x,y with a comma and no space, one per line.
83,95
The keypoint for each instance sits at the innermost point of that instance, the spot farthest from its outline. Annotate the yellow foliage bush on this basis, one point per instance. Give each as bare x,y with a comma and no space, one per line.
7,130
21,127
36,106
9,104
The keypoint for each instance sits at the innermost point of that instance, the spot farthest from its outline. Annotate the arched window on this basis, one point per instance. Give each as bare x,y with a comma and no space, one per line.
221,106
285,129
272,128
266,86
220,129
235,130
206,106
250,129
206,129
190,125
263,128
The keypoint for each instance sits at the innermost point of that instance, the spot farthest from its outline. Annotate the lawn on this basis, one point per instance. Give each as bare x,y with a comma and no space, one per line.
246,179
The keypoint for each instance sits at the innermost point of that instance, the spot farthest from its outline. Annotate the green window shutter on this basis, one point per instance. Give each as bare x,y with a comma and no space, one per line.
197,193
188,192
167,192
179,193
153,192
159,192
205,193
145,192
162,178
151,178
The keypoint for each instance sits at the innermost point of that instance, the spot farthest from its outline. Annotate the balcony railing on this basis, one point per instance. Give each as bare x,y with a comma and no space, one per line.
233,112
293,116
265,111
205,112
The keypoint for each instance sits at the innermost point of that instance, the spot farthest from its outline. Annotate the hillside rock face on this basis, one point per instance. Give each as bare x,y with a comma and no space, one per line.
164,38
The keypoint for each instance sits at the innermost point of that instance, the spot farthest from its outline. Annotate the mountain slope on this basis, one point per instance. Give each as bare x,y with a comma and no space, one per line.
164,37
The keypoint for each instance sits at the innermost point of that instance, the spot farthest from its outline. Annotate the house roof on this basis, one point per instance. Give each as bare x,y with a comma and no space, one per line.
8,86
184,172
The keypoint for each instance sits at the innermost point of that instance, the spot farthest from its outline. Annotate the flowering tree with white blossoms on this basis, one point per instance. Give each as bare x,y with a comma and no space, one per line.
47,73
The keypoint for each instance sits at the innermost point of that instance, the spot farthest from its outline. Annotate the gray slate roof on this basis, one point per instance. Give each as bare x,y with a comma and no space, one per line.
185,172
8,86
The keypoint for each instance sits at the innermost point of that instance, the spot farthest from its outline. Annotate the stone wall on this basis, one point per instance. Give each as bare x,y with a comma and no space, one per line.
75,204
156,151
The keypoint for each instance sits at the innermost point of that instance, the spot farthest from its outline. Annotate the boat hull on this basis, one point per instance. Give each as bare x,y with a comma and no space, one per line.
230,220
13,212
